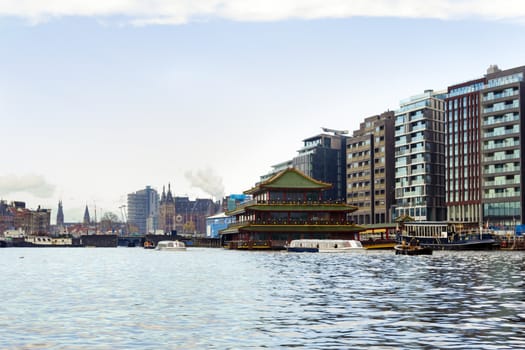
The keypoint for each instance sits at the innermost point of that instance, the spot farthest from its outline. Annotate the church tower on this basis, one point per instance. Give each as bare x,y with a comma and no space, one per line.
167,211
60,215
87,219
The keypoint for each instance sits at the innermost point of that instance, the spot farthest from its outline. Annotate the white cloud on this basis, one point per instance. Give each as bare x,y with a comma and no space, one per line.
139,12
29,184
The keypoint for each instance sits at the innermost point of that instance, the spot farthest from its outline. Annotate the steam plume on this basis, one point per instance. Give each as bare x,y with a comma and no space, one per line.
207,181
31,184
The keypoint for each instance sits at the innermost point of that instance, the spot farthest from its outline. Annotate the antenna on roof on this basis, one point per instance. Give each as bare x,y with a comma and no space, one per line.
336,132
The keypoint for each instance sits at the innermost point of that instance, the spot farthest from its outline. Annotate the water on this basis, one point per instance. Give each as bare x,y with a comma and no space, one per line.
125,298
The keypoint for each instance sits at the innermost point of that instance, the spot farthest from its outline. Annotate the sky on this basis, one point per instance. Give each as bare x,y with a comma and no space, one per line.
101,98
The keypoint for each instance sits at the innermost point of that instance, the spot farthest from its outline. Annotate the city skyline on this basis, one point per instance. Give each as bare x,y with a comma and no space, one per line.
98,102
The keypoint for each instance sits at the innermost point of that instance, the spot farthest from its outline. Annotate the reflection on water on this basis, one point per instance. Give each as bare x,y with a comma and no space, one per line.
212,298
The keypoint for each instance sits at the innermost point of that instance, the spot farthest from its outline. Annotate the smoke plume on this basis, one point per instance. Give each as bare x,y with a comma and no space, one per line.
30,184
207,181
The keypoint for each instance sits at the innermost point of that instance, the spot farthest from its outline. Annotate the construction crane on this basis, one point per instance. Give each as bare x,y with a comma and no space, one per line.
336,132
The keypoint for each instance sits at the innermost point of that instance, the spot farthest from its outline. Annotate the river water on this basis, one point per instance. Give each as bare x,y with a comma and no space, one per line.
131,298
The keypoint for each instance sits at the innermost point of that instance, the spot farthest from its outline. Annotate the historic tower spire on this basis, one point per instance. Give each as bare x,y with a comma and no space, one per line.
60,215
167,211
87,219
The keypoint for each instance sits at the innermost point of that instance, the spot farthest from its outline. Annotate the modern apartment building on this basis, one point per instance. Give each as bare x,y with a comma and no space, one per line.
323,158
502,109
143,210
463,151
420,157
483,135
370,170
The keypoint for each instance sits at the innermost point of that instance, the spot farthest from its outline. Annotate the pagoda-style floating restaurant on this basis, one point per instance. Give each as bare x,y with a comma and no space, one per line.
285,207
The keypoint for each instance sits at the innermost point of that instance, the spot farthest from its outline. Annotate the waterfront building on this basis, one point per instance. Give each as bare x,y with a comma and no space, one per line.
143,210
216,223
167,211
7,217
322,157
190,216
502,109
30,222
463,151
420,157
290,205
370,170
233,200
484,148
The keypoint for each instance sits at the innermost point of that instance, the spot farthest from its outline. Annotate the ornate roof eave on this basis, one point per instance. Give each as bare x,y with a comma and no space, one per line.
339,207
292,228
270,183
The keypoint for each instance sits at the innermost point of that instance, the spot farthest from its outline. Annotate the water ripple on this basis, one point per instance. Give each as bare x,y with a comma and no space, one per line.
216,299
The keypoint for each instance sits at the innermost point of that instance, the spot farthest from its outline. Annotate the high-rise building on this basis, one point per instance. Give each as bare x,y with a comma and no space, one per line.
484,148
502,109
420,157
143,210
370,170
323,158
463,153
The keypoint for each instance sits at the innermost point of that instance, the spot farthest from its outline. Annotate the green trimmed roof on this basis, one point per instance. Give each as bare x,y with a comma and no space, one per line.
293,228
290,178
295,207
377,226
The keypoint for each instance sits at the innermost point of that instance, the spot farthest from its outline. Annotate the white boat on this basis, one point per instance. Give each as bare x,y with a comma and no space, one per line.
325,246
171,245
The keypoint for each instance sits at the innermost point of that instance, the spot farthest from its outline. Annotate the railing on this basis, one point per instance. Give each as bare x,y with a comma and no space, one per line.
293,222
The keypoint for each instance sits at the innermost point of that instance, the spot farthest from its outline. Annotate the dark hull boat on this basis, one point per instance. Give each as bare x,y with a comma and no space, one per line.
445,236
407,250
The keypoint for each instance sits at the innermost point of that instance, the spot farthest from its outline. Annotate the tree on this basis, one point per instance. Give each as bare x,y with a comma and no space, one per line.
109,222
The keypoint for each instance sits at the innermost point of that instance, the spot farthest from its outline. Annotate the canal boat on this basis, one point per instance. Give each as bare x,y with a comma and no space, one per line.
325,246
413,248
439,235
378,236
18,238
149,245
171,245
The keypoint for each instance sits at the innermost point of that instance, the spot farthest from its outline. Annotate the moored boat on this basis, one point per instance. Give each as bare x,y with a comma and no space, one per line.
439,235
171,245
403,249
17,238
324,246
149,245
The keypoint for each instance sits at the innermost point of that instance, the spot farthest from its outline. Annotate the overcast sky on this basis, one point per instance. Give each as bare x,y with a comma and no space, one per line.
100,98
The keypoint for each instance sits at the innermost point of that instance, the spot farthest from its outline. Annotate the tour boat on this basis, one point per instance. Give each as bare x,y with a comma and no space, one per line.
325,246
439,235
171,246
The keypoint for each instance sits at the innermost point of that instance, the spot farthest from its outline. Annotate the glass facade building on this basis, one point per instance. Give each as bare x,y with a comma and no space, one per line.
483,134
463,153
143,210
501,148
420,157
323,158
